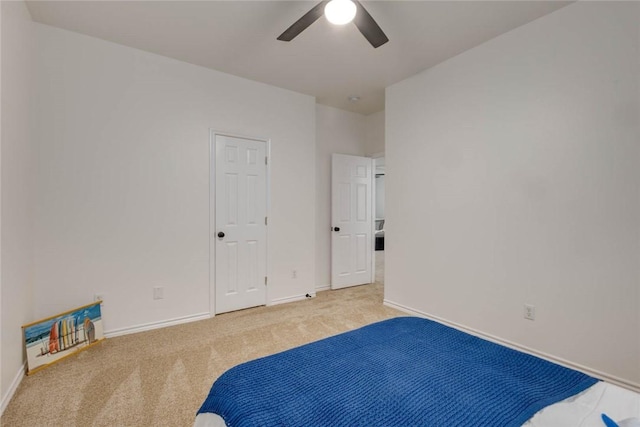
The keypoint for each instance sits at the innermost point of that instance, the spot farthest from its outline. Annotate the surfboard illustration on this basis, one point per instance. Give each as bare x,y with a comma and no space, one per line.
89,330
53,338
65,333
70,323
60,342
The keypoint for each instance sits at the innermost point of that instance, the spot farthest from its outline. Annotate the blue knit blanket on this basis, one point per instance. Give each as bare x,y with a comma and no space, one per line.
405,371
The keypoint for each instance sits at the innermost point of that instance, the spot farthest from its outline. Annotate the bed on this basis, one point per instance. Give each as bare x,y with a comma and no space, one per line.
409,371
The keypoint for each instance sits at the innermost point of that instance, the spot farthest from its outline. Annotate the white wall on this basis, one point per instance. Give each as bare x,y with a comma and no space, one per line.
17,190
123,174
374,132
513,179
2,388
342,132
3,395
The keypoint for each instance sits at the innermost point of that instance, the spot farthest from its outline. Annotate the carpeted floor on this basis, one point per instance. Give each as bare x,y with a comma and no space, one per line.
160,377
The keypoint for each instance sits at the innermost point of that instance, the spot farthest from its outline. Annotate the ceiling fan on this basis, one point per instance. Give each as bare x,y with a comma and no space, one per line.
339,12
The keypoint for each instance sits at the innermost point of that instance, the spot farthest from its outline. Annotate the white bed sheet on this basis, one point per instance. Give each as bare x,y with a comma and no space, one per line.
581,410
208,419
585,409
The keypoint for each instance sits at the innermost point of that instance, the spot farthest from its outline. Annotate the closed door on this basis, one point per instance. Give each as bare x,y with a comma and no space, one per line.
240,232
352,222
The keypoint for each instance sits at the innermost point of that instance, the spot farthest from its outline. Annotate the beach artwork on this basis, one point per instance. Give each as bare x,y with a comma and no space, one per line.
49,340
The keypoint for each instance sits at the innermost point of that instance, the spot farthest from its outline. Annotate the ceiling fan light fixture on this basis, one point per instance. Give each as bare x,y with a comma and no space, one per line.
340,12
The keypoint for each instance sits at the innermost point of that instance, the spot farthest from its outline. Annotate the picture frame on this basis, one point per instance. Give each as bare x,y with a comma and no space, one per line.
54,338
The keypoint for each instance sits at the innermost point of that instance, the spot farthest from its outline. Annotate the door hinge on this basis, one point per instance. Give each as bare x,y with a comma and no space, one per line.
265,280
266,160
265,220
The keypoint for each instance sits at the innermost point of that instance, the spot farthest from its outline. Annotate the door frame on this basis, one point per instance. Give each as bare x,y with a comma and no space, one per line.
212,209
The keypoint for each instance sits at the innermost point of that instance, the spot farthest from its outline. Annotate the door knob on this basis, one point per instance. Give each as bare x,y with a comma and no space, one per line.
221,234
336,228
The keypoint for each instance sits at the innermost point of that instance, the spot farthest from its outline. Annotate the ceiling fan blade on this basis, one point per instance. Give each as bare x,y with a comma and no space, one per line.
301,24
368,27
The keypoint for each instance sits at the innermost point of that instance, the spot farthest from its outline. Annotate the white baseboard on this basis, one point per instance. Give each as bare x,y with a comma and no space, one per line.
156,325
323,288
560,361
17,379
290,299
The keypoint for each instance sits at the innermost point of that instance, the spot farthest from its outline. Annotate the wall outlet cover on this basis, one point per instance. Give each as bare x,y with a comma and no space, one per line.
529,312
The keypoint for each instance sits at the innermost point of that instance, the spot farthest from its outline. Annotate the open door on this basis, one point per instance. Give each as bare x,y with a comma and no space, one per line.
352,221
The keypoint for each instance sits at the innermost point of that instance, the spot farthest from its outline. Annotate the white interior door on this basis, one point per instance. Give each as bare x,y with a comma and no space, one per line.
240,232
352,223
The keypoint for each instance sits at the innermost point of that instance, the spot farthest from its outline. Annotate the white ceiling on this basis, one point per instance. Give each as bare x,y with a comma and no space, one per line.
325,61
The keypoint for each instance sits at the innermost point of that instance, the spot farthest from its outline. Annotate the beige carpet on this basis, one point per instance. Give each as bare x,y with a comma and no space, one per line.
160,377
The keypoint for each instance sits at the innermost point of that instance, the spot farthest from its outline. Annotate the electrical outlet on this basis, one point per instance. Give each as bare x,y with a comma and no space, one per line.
158,292
529,312
294,274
